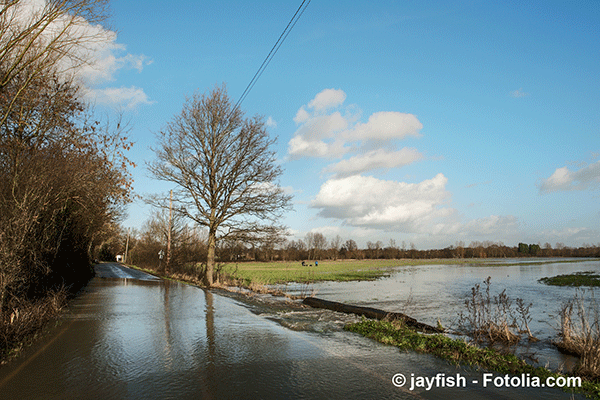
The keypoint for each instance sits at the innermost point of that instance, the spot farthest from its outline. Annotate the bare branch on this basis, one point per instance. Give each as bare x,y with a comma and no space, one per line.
224,170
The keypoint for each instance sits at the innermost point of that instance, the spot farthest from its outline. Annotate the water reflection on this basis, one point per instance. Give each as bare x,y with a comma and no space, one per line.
432,292
143,339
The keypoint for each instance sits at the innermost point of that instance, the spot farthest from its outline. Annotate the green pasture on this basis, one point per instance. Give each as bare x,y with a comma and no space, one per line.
269,273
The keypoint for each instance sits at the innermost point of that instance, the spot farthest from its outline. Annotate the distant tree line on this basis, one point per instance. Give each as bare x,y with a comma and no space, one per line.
190,246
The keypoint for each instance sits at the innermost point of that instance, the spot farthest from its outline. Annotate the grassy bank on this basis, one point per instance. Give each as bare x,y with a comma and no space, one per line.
587,278
458,351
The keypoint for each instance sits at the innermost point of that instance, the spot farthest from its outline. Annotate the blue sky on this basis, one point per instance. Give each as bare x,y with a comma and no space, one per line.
424,122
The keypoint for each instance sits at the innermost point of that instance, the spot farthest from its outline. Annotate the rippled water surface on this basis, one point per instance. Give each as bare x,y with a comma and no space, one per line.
432,292
137,339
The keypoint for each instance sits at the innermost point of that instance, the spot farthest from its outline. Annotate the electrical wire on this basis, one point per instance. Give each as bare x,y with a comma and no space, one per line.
272,53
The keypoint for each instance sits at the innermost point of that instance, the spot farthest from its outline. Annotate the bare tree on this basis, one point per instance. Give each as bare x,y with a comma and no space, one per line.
310,244
335,245
320,244
40,41
224,171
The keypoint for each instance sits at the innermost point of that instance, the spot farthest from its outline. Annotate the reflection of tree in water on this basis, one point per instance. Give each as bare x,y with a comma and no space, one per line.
210,327
168,339
211,368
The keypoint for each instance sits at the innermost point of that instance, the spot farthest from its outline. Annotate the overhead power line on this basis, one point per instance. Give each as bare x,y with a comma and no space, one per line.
273,51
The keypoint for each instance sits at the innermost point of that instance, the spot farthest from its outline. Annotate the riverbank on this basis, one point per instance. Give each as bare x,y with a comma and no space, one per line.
460,352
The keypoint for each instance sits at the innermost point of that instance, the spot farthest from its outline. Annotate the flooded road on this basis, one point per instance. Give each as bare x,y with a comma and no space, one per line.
132,336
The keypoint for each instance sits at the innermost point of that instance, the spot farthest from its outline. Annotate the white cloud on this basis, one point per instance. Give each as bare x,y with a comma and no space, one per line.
301,116
328,98
494,226
518,93
386,125
328,231
325,132
127,98
104,64
365,201
373,160
323,126
299,147
564,179
91,54
571,236
271,122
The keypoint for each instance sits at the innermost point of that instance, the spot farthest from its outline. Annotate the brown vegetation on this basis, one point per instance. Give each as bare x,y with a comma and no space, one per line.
580,333
494,319
63,178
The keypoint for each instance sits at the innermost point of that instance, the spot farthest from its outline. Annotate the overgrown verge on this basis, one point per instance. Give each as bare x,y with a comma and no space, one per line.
458,351
20,324
63,172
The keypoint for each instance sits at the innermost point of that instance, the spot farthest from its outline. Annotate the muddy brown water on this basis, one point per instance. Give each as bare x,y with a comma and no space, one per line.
130,336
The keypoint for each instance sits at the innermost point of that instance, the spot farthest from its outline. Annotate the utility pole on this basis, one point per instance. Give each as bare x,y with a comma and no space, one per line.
126,246
169,232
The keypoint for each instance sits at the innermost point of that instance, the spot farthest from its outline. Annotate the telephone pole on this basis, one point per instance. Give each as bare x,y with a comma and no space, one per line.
169,232
126,246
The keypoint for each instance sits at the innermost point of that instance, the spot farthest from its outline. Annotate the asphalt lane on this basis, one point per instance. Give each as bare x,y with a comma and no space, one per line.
116,270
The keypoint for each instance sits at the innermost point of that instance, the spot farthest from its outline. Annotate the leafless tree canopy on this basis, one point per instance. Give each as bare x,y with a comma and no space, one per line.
224,170
42,43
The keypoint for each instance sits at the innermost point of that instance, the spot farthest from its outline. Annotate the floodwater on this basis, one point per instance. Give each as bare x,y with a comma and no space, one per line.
432,292
131,336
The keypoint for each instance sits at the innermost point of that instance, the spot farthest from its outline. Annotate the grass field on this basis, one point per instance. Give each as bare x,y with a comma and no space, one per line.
268,273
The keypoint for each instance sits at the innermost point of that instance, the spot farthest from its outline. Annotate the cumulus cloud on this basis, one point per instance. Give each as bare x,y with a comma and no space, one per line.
301,116
386,125
127,98
563,179
365,201
271,123
93,56
373,160
300,147
494,226
325,131
328,98
322,127
107,60
310,139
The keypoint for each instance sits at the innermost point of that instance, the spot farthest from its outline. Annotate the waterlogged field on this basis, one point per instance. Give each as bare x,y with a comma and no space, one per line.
276,272
269,273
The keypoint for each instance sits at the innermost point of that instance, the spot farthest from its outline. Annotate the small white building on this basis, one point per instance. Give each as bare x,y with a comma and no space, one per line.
119,257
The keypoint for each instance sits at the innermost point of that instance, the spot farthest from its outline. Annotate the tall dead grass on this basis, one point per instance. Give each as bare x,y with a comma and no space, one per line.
23,319
494,319
580,332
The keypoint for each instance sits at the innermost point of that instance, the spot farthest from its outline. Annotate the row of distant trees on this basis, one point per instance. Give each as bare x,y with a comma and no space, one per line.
190,246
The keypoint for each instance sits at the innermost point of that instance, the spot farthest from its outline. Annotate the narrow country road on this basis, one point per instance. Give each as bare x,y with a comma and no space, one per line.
116,270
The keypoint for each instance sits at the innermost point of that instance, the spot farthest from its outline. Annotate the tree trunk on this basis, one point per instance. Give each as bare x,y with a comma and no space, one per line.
370,313
210,258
